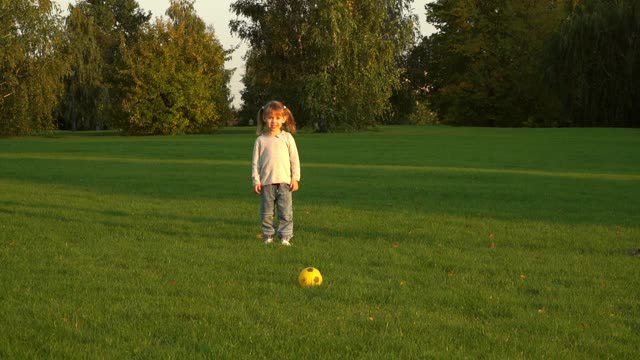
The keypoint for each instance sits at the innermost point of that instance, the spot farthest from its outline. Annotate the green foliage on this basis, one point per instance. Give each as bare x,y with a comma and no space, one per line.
594,64
409,100
484,62
422,115
332,61
83,106
443,243
30,67
94,92
176,76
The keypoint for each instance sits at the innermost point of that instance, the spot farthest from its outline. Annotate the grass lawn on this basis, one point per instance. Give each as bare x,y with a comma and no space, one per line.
434,242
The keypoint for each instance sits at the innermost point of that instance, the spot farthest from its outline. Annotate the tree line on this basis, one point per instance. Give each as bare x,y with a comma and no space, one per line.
342,65
107,65
531,63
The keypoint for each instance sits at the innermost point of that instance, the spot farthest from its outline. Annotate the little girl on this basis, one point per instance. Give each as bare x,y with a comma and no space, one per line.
276,170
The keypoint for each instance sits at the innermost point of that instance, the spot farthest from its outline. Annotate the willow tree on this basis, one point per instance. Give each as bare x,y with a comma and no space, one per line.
175,76
95,30
483,64
84,100
31,68
332,61
594,64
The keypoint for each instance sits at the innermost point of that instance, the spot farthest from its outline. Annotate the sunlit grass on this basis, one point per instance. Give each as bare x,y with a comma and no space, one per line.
431,244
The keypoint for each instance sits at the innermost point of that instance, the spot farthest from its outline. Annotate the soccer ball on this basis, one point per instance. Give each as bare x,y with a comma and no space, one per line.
310,277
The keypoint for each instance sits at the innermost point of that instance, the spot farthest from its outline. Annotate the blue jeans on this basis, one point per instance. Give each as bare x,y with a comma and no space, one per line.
276,196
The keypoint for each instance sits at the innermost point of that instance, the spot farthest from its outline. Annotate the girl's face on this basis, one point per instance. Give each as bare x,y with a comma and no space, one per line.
274,121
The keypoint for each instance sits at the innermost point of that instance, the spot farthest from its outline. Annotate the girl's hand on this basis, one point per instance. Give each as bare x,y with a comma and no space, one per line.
294,186
257,188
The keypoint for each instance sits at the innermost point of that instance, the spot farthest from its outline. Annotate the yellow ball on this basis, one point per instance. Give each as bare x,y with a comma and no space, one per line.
310,277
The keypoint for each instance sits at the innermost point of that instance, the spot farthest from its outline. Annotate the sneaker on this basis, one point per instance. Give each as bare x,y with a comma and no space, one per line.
268,240
286,242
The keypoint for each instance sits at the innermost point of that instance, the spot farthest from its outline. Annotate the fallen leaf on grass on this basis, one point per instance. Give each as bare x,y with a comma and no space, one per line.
492,245
618,230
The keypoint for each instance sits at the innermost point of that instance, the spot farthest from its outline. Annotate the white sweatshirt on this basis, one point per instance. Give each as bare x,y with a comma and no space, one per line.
275,160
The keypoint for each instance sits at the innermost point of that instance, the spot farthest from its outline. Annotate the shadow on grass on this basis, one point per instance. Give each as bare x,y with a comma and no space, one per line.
163,223
214,168
505,195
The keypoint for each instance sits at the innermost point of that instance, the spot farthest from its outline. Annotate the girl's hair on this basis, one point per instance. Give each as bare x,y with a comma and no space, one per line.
278,107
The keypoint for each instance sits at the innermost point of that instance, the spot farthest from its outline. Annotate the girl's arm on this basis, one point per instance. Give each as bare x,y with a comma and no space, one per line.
255,172
295,165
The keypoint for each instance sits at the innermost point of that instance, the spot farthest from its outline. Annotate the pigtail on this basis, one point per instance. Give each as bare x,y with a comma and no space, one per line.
291,121
260,122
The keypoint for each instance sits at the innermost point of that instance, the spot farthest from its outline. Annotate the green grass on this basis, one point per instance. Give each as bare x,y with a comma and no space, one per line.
434,242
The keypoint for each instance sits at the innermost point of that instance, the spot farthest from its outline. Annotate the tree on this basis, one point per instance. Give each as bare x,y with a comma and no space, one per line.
417,87
333,61
30,67
96,29
86,89
594,64
176,77
483,64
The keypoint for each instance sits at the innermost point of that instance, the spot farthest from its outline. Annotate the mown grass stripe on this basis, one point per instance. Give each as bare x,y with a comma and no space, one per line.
413,168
